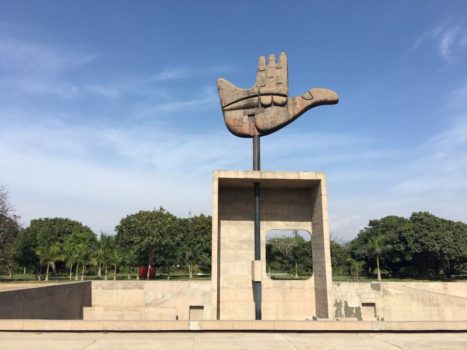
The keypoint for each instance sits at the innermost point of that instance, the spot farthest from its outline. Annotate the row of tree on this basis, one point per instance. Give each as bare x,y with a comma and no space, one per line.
422,246
155,238
151,238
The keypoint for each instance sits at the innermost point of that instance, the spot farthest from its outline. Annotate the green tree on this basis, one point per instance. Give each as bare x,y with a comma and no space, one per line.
50,235
379,244
79,248
422,246
289,253
194,250
438,245
48,256
102,253
9,231
376,249
154,236
70,253
339,255
105,247
25,250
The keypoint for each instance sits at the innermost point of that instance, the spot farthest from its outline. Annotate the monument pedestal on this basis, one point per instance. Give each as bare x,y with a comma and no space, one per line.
289,201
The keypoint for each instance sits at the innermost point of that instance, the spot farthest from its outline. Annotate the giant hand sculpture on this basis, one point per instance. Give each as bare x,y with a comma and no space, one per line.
266,107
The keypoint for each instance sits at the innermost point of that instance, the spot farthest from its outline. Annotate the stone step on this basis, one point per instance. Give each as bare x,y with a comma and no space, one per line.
108,313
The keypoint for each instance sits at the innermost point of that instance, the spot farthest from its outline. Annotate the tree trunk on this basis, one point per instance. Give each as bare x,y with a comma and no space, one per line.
377,268
82,272
71,270
190,273
105,276
77,268
24,270
129,277
115,272
149,270
99,271
47,272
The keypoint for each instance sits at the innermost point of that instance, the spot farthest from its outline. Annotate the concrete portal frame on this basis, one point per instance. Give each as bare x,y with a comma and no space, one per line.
289,200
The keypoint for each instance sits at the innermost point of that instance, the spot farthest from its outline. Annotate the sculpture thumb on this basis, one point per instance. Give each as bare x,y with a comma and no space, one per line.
312,98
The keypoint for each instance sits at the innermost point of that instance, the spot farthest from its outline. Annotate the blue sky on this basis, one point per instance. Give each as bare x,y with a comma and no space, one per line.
110,107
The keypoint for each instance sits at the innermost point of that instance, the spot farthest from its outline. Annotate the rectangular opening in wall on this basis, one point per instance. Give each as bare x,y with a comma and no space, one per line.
196,312
289,255
368,311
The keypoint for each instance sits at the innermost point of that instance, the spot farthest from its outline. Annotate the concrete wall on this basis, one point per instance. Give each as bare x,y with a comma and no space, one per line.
59,302
149,300
282,300
288,201
401,301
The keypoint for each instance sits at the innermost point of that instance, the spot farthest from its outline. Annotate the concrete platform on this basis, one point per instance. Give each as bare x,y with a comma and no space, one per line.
240,340
226,326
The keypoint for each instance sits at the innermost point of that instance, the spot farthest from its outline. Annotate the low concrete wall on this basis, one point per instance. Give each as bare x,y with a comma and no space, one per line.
55,302
386,301
154,300
401,301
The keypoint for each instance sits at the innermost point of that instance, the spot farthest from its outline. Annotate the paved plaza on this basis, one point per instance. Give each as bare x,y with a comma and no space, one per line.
240,340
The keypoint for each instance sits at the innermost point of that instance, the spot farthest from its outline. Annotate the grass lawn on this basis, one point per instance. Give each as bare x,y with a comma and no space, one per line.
54,278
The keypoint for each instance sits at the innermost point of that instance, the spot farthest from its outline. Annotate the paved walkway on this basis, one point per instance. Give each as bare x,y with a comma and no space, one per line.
219,341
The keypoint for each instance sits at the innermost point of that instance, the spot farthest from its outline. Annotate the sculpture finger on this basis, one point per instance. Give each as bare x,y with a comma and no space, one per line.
274,88
261,73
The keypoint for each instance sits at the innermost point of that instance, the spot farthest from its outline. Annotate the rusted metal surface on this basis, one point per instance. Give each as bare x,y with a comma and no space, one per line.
267,107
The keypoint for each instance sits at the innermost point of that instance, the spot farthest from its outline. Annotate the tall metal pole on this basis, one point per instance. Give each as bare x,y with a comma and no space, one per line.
256,167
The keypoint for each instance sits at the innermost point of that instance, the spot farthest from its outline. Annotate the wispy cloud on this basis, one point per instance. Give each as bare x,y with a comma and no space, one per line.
450,40
442,166
207,97
172,74
180,73
26,58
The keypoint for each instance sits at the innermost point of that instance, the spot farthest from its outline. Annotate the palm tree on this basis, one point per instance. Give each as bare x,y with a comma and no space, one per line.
53,253
115,260
376,246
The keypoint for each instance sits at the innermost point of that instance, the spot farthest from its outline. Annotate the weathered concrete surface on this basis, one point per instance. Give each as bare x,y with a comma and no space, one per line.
267,107
401,301
22,285
148,300
63,301
289,200
208,326
220,341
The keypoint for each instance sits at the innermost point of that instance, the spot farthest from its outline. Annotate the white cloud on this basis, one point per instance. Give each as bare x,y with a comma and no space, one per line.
28,58
447,39
173,74
180,73
450,40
